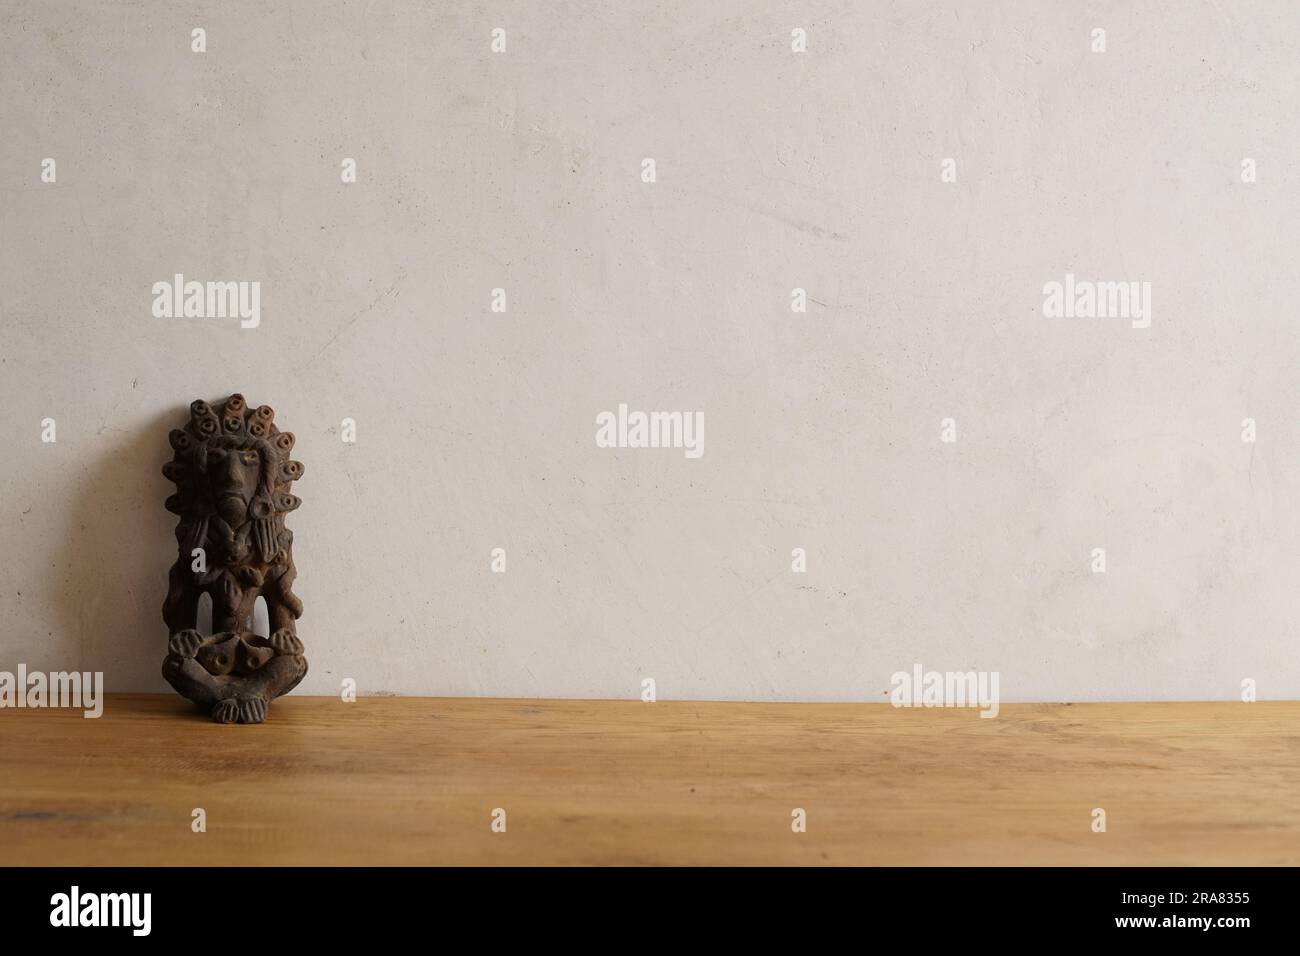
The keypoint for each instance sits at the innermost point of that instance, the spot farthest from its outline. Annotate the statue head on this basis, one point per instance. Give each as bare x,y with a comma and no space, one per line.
233,472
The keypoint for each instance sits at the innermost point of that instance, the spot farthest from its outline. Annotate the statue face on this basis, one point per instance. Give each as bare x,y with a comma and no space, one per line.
232,475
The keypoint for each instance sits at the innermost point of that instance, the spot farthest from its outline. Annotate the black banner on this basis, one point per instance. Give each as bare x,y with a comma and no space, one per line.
903,906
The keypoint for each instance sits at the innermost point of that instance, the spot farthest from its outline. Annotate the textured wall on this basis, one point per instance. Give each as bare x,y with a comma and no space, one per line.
775,170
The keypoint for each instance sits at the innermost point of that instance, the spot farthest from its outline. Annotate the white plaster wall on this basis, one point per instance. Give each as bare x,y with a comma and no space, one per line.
776,170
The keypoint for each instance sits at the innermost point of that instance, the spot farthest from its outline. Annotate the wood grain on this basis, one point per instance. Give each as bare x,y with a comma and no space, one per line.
415,781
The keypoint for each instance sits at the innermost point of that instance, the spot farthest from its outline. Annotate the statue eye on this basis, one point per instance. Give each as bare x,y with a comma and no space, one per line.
250,458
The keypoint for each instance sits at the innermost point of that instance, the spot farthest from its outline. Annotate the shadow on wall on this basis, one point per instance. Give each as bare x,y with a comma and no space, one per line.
118,547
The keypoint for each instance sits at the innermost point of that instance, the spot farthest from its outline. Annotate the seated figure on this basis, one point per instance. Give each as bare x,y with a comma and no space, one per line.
232,472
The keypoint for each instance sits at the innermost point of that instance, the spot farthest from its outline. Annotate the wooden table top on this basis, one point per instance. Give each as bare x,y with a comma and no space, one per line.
416,781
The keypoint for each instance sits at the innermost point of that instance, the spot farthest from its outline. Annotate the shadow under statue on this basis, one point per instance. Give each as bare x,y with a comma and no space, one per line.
232,472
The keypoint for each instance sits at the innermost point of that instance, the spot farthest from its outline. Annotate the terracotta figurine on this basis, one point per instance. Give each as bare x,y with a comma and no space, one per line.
232,472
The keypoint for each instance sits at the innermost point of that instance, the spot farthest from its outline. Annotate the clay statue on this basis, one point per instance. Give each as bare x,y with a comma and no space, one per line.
232,472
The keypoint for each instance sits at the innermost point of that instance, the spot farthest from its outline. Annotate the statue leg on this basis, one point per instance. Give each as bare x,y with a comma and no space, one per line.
187,675
182,604
248,698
